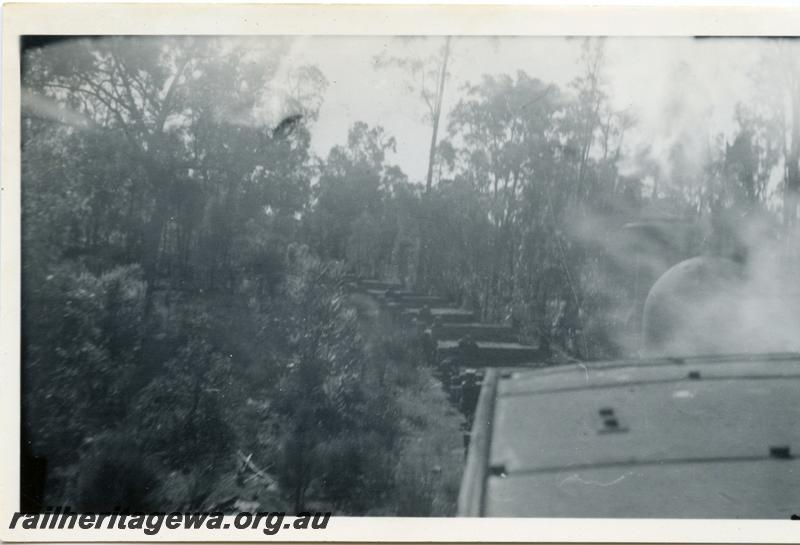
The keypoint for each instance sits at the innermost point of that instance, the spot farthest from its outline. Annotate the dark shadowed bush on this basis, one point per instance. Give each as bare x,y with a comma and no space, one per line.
114,474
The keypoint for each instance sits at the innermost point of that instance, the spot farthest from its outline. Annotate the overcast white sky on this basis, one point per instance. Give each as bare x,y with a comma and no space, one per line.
643,74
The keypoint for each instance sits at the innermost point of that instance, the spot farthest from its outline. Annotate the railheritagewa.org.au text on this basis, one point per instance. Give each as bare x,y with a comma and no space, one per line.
270,523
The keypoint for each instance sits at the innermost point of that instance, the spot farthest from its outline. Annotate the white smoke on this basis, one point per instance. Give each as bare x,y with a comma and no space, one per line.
713,305
683,92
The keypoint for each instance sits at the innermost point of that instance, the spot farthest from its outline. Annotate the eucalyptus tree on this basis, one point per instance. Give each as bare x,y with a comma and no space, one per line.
356,181
191,141
427,79
505,133
155,175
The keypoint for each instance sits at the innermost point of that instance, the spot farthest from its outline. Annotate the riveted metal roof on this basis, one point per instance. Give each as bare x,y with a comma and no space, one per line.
704,437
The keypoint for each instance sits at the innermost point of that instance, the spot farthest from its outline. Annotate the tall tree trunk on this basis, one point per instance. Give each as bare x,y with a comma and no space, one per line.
152,236
792,184
423,264
437,113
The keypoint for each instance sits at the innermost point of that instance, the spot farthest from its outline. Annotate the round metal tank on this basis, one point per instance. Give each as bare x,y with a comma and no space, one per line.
693,309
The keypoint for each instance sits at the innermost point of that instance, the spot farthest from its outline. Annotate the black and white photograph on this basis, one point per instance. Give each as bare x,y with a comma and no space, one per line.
410,275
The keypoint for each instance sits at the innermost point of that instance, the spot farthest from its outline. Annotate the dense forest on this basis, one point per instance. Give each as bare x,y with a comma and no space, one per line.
184,261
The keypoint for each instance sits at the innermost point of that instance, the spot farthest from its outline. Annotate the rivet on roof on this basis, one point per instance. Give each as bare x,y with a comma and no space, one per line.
606,411
611,423
782,452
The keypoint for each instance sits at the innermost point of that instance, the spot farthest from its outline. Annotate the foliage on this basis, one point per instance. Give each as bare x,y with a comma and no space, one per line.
113,473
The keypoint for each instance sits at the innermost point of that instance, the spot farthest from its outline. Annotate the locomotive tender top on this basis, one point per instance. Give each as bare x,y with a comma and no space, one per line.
695,437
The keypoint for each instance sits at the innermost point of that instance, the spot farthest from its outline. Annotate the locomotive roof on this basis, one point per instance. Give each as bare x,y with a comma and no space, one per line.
700,437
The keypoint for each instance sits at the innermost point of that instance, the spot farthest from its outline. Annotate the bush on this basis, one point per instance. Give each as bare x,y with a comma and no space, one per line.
356,472
81,336
179,416
113,474
415,488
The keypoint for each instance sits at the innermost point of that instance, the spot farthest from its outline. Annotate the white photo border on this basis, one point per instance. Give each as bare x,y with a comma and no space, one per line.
311,19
